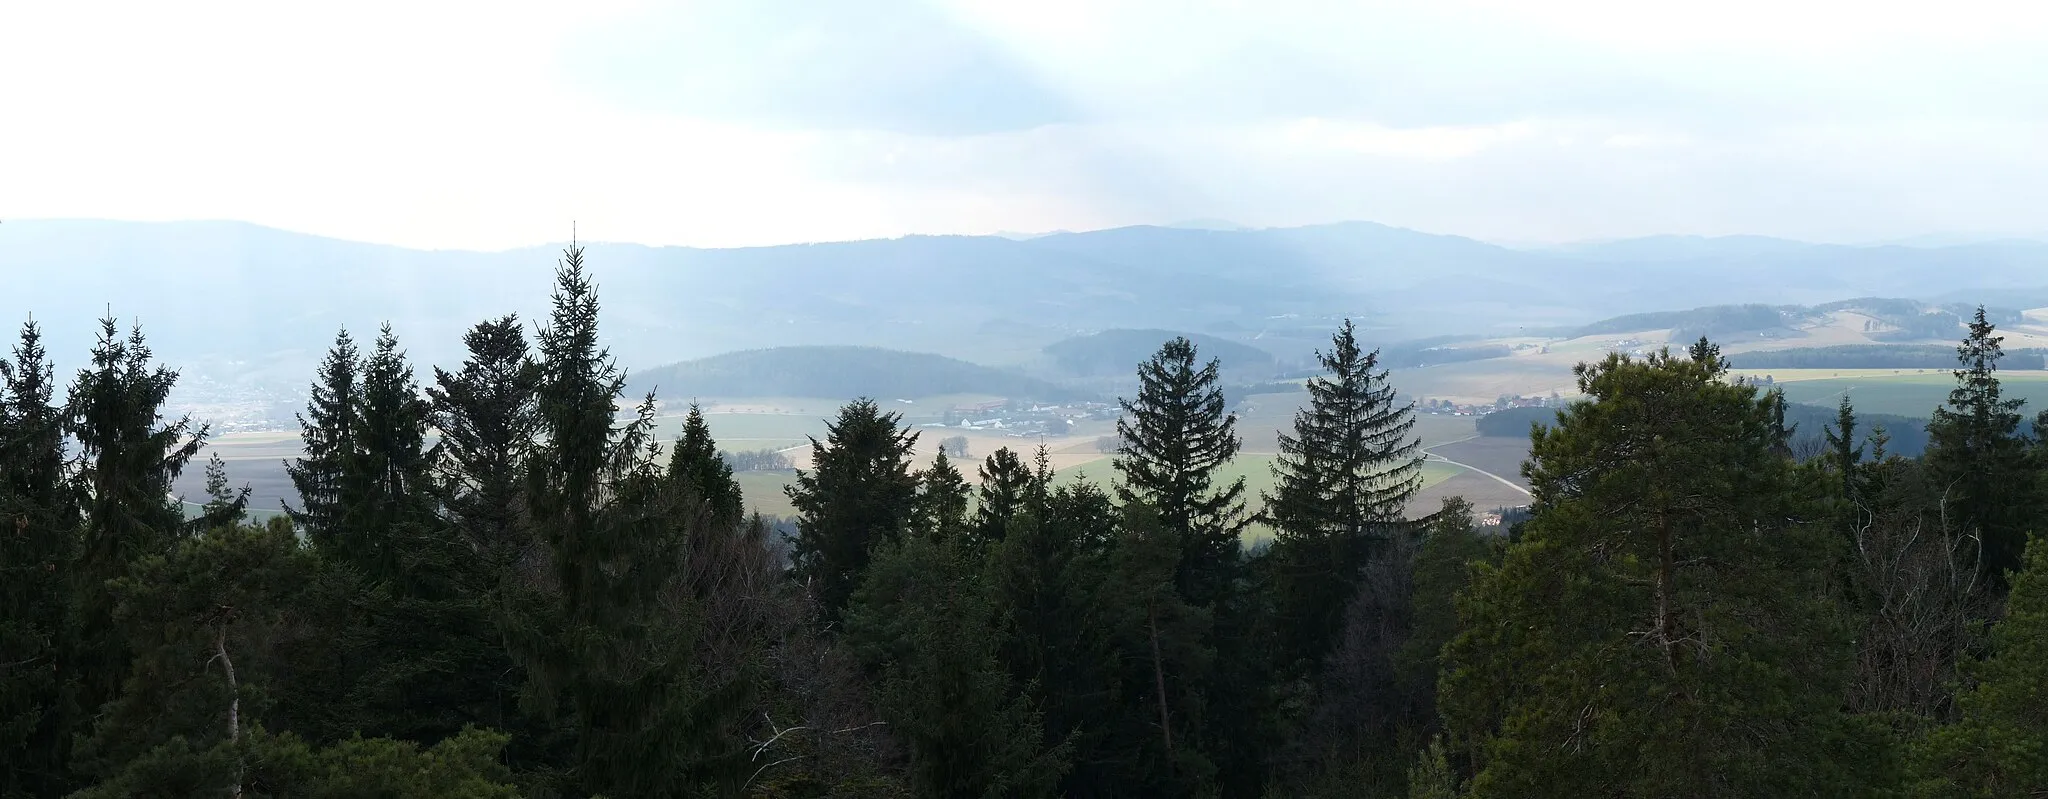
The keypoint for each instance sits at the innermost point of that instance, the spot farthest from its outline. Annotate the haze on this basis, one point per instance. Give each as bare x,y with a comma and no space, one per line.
741,122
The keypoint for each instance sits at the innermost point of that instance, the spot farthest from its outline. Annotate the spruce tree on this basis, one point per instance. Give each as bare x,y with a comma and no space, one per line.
1173,438
1343,481
604,628
1000,496
486,419
1972,444
858,492
697,466
942,494
1696,654
328,432
225,506
129,459
390,470
38,541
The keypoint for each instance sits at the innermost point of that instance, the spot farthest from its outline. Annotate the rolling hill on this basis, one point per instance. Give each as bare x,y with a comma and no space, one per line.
1118,352
838,373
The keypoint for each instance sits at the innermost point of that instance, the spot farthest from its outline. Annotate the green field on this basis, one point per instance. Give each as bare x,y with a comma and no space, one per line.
1915,395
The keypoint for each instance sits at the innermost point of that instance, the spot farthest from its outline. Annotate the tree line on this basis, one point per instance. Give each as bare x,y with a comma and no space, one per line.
1876,356
546,601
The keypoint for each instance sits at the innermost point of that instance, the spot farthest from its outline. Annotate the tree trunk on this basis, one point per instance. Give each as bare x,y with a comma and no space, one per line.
220,652
1159,681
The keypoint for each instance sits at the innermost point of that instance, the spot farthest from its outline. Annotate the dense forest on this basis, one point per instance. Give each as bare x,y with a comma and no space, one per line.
1876,356
547,602
1807,427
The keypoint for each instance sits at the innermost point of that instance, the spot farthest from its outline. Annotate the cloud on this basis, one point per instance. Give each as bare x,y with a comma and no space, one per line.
887,65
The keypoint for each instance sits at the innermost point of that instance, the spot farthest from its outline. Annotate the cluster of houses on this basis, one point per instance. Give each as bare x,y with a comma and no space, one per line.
1020,418
1438,407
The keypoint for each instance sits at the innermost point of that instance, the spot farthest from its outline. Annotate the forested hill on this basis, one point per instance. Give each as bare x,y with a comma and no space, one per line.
960,296
1116,352
837,371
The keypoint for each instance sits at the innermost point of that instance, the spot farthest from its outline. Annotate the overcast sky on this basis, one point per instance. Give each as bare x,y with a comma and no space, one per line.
738,122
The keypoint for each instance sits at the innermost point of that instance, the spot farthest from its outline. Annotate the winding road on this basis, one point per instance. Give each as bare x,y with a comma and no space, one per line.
1431,456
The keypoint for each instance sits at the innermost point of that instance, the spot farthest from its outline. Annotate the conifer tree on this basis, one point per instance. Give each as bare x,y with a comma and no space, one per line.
941,508
1174,437
1999,747
486,418
328,432
38,540
1000,496
1972,444
606,650
925,617
859,492
1343,481
225,506
697,465
129,460
390,470
1697,654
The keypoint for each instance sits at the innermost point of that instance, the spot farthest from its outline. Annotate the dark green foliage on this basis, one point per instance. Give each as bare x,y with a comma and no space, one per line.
1696,655
262,765
926,619
858,493
942,495
200,620
701,471
1975,447
328,432
1342,485
1173,437
390,470
1006,484
225,507
1443,569
485,416
1873,356
603,624
38,541
1999,748
129,460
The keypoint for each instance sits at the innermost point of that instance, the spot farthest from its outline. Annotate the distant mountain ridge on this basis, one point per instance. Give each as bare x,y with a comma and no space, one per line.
223,293
837,372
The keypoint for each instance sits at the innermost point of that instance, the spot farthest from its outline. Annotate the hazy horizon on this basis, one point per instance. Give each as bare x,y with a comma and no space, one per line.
723,123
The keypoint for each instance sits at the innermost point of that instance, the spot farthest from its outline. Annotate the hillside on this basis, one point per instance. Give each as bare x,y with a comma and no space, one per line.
1118,352
837,372
247,311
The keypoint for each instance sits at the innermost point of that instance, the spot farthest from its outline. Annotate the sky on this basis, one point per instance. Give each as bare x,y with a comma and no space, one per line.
491,125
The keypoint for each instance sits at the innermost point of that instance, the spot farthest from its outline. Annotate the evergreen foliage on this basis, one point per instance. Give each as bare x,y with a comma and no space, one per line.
858,493
1976,448
1173,437
1343,481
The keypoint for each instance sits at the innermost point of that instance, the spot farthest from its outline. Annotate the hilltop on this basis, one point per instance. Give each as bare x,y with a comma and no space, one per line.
837,372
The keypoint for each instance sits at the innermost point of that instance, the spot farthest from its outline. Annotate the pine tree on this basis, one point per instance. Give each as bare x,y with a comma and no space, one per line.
859,492
1697,654
1999,747
328,433
1004,482
1174,437
1343,481
38,540
1972,444
697,465
129,460
1845,451
486,418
